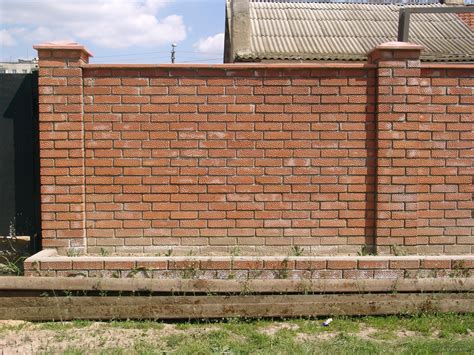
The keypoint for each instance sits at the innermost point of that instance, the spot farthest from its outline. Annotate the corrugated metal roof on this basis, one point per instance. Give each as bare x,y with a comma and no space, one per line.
348,31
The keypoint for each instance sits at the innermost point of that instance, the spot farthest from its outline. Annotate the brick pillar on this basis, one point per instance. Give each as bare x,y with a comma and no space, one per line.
62,144
398,117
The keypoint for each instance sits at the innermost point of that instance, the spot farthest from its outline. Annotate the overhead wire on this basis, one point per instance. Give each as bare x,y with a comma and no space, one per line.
130,54
155,52
200,60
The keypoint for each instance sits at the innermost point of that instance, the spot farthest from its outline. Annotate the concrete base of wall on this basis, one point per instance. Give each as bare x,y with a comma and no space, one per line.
49,263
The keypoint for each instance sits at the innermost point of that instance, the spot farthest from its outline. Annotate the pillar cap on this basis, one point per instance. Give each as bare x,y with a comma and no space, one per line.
63,45
399,46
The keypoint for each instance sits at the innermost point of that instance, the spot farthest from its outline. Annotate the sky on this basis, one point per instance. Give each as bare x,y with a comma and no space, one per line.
116,31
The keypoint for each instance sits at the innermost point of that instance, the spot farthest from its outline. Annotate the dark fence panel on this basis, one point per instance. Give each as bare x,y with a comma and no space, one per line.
19,155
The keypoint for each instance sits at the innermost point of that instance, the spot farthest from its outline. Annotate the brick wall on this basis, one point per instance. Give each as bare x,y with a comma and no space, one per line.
445,185
48,263
333,158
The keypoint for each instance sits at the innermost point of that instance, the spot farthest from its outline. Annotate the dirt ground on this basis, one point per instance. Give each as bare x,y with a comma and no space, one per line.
391,334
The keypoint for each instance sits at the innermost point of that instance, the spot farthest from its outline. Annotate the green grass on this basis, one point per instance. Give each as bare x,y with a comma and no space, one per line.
61,326
133,324
417,334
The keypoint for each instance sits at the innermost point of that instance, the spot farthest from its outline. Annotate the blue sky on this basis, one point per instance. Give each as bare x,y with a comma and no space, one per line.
116,31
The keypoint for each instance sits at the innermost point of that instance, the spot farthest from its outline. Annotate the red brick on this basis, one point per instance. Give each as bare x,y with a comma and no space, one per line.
247,264
341,264
404,264
358,274
152,264
215,265
278,265
56,265
87,265
119,265
373,264
183,264
436,264
310,264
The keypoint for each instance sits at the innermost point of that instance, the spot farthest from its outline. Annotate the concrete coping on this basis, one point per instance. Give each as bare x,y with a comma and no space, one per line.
399,46
469,66
62,45
52,255
234,66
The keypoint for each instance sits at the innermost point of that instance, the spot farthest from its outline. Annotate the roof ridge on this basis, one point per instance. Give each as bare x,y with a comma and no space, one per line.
361,2
347,30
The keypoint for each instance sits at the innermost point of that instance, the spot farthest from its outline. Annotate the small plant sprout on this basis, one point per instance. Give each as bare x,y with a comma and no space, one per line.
235,251
296,250
365,250
104,252
12,228
11,267
72,252
398,250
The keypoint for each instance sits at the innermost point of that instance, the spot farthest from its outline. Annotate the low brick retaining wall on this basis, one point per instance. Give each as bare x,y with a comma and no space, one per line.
49,263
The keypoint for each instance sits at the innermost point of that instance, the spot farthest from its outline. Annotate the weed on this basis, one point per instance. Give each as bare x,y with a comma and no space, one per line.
398,250
459,269
104,252
296,250
235,251
283,272
139,270
189,273
72,252
12,228
169,252
366,250
12,267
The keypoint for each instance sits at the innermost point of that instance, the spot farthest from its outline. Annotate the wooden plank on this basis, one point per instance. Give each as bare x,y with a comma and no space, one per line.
235,286
188,307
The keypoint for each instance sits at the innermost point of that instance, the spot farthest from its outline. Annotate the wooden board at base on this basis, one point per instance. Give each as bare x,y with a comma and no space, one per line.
197,307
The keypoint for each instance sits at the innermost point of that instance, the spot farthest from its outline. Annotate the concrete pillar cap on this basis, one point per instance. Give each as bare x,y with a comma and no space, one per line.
399,46
63,45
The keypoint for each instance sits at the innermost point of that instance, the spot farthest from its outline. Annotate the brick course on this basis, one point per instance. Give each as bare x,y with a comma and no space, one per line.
248,267
333,158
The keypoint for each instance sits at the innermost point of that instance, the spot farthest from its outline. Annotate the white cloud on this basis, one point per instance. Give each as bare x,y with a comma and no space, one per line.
212,44
107,23
6,38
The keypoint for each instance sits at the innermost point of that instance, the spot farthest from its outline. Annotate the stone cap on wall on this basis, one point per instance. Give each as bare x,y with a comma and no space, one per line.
395,50
399,46
63,45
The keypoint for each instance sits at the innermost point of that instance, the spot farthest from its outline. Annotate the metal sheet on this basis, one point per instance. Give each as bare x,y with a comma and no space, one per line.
347,31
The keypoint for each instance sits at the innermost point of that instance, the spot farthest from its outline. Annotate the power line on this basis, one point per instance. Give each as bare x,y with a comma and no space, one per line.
162,60
200,60
130,54
156,52
200,52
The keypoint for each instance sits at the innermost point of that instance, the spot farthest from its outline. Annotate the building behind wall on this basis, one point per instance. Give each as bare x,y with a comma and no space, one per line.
340,31
22,66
